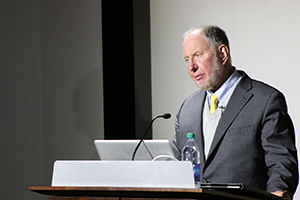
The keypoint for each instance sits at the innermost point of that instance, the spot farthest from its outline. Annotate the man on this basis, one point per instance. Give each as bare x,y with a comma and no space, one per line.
241,125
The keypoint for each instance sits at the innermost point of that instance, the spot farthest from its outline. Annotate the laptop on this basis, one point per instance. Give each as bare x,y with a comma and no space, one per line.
157,149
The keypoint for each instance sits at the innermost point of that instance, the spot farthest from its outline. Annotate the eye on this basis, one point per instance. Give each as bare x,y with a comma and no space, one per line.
186,59
198,55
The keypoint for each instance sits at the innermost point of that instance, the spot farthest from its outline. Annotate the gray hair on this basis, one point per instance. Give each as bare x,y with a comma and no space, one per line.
214,35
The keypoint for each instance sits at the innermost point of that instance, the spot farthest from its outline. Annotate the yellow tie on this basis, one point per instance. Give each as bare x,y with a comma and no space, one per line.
213,103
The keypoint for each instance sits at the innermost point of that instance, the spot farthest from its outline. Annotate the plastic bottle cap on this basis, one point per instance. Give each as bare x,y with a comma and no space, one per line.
190,135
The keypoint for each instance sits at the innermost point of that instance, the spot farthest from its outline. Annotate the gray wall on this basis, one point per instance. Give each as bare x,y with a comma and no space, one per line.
71,79
21,142
264,37
50,86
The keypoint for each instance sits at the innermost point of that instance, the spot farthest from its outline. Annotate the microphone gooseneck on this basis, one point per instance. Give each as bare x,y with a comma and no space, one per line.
165,116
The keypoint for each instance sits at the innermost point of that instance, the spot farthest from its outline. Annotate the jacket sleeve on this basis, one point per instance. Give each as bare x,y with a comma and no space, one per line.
177,137
278,142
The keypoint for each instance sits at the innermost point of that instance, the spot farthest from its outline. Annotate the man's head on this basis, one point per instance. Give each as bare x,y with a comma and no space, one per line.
206,52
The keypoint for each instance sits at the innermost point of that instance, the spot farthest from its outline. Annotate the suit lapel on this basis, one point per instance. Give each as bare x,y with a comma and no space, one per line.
238,100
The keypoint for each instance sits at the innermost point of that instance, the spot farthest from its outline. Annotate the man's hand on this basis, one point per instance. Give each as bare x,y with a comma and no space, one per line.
283,194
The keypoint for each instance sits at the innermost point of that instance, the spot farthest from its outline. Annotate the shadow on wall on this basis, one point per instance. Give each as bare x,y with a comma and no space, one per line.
88,103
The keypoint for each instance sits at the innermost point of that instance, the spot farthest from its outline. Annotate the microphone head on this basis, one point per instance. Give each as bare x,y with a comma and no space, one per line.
166,115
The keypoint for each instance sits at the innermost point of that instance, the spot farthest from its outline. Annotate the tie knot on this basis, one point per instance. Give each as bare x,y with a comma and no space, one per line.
213,98
213,103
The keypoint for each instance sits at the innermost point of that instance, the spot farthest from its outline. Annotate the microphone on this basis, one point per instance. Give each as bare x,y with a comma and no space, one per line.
165,116
222,109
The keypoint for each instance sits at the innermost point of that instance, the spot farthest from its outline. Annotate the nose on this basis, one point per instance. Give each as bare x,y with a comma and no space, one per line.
192,66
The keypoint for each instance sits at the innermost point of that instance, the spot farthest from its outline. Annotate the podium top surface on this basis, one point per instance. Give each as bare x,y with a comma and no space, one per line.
133,192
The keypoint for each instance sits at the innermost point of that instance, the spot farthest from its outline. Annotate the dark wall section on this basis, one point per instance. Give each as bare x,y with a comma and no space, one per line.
123,56
118,69
142,66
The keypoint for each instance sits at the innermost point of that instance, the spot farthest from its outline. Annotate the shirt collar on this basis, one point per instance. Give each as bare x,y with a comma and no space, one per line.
226,87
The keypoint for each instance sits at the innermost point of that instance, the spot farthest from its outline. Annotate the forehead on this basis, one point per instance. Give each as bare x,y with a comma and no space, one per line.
194,42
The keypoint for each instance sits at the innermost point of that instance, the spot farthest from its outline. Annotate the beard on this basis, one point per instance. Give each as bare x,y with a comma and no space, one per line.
216,75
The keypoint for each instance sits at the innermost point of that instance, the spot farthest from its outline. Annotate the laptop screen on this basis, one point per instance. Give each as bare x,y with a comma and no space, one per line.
157,149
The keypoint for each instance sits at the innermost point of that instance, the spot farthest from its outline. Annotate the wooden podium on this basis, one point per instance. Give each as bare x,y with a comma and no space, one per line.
115,193
123,180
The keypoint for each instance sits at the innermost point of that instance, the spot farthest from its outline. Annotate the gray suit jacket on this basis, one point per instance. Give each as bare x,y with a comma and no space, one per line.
254,142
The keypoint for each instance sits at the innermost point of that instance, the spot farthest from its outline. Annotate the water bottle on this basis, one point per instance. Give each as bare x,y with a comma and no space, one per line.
190,152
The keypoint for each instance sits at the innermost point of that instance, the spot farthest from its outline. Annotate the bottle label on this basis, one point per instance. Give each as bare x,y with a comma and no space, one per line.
196,168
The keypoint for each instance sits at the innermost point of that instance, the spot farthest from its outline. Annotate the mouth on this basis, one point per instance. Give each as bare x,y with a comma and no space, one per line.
198,77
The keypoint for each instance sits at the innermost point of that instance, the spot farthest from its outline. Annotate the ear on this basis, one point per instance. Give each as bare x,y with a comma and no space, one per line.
223,53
